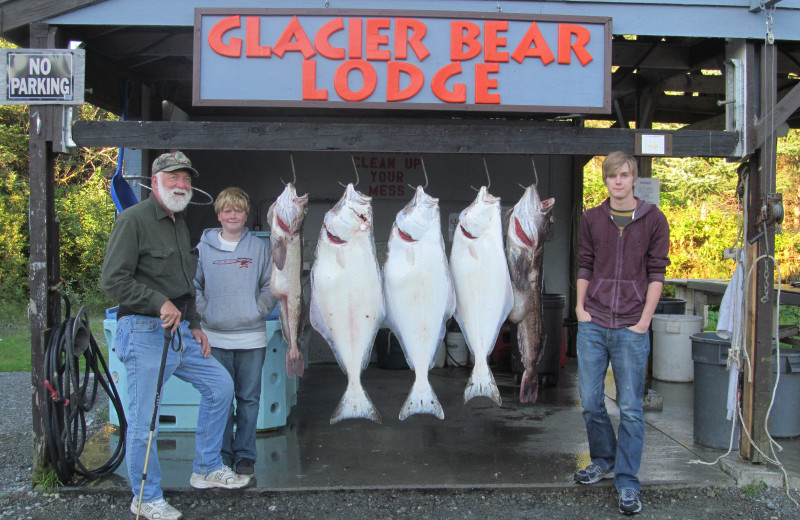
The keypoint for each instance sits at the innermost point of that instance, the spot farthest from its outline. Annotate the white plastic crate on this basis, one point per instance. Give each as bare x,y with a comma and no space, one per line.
180,400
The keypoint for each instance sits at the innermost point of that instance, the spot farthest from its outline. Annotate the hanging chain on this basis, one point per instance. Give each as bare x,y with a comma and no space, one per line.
769,11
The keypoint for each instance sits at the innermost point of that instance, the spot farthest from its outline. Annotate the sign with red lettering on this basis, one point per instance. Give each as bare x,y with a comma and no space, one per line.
389,176
433,60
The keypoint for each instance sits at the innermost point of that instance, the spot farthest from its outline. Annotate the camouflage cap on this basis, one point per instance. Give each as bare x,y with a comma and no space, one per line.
172,161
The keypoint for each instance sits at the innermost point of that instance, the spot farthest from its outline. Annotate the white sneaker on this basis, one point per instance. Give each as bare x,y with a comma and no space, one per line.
224,478
156,510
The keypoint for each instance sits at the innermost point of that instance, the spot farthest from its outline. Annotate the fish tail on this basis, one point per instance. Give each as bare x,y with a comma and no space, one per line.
422,399
529,387
355,404
294,362
481,384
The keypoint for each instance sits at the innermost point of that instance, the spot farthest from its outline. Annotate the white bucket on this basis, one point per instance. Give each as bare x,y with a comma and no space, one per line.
457,351
672,346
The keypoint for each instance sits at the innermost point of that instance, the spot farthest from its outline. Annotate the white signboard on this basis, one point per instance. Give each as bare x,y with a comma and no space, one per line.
648,190
42,76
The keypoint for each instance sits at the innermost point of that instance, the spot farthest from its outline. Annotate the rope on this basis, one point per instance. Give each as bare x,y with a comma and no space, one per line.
73,393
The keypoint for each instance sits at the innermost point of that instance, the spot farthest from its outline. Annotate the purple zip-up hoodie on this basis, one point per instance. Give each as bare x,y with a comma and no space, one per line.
619,264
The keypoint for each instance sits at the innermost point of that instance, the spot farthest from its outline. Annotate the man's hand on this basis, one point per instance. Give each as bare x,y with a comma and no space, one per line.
200,337
639,328
582,315
171,316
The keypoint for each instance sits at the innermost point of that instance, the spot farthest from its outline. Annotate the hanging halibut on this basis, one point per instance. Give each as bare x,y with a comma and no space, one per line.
528,224
419,294
347,296
286,216
483,287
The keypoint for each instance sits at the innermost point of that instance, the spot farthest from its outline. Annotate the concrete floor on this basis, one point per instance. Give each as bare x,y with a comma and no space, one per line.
478,444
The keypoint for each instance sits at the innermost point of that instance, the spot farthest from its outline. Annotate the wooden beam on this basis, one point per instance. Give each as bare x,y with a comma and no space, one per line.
426,136
757,383
19,13
769,123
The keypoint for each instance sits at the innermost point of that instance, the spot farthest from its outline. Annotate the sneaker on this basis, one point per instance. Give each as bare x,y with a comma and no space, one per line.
224,478
245,467
156,510
629,503
591,474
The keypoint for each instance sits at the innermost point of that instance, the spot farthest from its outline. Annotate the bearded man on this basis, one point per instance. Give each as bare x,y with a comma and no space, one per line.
149,270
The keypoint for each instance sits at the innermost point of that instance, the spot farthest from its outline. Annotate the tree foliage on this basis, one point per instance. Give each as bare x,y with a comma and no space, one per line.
698,197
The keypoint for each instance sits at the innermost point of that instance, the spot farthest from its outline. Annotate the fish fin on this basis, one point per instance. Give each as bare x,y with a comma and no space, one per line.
421,400
340,257
279,253
473,250
529,388
481,384
355,404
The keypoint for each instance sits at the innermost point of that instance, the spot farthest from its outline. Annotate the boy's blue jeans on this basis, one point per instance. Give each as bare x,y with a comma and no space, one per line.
245,368
139,344
627,352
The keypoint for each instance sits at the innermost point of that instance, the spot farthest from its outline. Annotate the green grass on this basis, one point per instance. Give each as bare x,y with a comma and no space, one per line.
15,343
47,479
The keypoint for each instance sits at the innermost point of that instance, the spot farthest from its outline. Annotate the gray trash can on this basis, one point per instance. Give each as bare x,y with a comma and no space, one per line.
711,425
784,419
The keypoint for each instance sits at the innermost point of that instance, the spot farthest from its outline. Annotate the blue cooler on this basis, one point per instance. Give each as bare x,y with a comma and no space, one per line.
180,400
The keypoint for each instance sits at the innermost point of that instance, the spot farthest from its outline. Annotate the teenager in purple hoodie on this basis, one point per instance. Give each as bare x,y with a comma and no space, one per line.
622,259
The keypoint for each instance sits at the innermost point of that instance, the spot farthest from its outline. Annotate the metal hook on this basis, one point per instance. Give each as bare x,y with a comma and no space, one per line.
488,179
352,158
294,173
424,172
535,173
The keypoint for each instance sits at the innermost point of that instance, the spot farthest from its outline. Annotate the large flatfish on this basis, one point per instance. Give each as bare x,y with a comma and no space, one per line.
529,221
347,296
483,287
419,294
286,216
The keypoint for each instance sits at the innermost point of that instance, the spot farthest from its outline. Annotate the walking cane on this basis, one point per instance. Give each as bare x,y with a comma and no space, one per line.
167,338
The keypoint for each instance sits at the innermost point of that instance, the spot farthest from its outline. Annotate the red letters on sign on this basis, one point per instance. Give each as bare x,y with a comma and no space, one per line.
540,48
409,33
375,39
294,38
439,85
322,43
253,48
490,52
310,90
464,33
342,86
393,71
232,49
565,33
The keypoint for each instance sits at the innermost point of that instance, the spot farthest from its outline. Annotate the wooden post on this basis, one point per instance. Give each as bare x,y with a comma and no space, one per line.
757,384
45,270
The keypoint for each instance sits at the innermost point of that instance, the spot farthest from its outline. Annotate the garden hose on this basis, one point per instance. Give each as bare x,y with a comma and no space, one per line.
73,393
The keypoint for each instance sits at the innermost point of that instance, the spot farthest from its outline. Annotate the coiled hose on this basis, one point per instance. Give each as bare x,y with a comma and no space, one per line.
73,393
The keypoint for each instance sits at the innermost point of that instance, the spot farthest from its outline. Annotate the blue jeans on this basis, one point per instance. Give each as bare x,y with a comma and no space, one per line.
627,351
245,367
139,344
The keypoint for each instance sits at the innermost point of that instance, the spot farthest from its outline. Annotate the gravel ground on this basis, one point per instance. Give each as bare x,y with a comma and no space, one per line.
19,501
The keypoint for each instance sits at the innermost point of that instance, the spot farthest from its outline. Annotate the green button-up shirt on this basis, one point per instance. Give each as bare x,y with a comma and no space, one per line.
150,260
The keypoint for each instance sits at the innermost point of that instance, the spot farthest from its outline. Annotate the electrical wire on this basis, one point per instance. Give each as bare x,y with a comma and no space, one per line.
73,393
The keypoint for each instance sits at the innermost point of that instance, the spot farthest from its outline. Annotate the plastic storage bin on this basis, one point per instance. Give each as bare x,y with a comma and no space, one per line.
180,400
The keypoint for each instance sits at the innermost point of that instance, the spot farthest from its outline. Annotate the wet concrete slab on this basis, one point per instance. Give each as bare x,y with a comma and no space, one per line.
478,444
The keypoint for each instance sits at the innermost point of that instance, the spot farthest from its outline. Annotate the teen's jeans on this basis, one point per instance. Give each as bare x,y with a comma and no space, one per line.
627,352
139,344
245,367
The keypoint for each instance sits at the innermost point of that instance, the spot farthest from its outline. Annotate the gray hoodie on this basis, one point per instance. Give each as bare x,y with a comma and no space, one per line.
233,286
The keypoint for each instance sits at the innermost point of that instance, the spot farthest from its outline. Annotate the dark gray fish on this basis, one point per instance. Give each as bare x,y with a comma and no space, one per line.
528,224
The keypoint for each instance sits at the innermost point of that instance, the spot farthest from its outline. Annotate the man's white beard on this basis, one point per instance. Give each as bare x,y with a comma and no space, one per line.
176,202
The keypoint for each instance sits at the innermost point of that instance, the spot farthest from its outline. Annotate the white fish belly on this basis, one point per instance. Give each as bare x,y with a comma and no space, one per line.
349,302
483,291
419,298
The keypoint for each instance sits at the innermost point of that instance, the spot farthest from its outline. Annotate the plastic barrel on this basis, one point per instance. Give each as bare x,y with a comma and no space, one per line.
672,346
784,418
457,350
711,425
